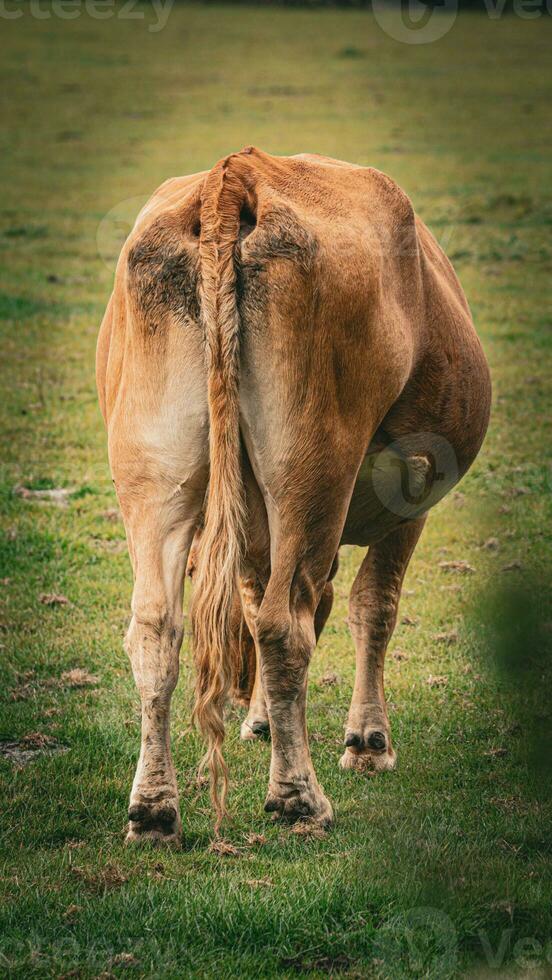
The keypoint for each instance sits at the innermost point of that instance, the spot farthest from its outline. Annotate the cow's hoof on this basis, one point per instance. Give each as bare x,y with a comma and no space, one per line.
293,804
154,823
369,752
254,728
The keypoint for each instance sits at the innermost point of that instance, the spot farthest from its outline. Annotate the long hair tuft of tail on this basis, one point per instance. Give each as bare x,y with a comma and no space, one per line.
222,540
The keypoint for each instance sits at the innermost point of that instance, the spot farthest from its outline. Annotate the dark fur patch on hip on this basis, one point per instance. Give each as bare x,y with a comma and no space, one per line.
279,235
163,273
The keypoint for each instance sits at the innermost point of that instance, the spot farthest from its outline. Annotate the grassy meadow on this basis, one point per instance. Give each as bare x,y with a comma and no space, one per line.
442,868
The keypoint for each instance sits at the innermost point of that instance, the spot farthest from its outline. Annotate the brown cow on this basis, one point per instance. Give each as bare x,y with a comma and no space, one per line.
287,361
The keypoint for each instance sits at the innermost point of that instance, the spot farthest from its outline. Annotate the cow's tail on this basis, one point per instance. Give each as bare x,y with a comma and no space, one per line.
222,541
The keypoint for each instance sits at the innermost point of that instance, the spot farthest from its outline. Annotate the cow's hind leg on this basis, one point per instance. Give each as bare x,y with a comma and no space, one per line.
373,608
159,535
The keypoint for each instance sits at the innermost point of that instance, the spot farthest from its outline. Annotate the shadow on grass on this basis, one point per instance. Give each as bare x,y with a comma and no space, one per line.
517,649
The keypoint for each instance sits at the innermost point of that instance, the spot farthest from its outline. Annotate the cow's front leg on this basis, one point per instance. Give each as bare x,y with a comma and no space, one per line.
159,550
256,724
286,641
373,608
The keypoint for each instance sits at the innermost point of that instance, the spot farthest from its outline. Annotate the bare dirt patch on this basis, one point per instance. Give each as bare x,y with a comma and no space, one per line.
58,495
53,599
29,685
456,567
223,848
447,637
30,747
107,879
308,830
77,677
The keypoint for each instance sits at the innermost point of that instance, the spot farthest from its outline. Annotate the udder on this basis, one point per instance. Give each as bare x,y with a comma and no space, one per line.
395,484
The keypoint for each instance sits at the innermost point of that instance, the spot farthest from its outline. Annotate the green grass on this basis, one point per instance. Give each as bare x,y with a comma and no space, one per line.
100,112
